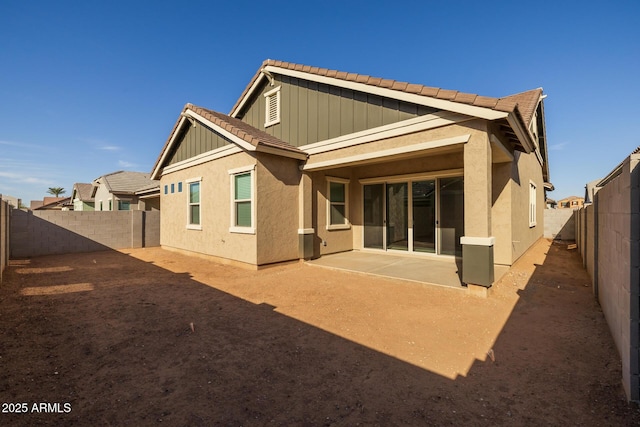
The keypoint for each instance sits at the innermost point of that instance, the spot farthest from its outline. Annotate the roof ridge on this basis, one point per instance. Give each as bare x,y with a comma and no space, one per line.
494,103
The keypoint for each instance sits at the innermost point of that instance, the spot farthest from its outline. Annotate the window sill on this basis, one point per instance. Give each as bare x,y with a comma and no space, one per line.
339,227
194,227
242,230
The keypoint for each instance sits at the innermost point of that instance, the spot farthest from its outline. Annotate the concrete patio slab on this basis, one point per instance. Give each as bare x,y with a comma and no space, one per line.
440,272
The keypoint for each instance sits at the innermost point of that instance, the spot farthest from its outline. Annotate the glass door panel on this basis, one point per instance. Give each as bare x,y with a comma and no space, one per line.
451,215
397,216
374,216
424,216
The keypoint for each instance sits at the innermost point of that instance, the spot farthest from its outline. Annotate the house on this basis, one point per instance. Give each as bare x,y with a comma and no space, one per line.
51,204
81,197
312,161
14,202
551,204
123,191
571,202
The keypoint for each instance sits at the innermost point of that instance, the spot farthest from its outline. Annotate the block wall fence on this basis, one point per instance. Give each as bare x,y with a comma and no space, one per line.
36,233
608,237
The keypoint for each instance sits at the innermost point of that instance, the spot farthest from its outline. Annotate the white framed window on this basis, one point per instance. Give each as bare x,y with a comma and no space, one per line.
532,204
337,203
243,200
272,107
194,211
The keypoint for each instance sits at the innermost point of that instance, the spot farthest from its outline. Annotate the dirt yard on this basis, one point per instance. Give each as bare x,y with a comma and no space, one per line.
148,336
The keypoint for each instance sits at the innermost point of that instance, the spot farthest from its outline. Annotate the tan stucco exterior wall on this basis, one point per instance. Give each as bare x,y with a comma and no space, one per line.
214,238
277,215
502,188
525,168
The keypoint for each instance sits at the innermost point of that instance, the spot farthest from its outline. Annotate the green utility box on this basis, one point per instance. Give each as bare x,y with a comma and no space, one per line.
477,261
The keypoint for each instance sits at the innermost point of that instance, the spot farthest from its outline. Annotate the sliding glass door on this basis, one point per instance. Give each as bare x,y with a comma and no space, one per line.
374,216
423,196
415,216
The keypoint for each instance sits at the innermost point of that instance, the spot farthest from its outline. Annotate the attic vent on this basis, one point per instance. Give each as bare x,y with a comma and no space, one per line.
272,107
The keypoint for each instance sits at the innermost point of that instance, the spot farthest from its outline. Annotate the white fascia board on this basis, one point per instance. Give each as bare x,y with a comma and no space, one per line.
281,152
392,152
470,110
218,153
416,124
241,142
523,134
156,171
244,100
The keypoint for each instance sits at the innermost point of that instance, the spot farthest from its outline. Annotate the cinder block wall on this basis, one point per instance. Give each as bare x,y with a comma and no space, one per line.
35,233
559,224
609,239
618,262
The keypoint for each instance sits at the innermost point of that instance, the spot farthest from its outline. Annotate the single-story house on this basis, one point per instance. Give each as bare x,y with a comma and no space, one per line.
51,204
124,191
81,197
312,161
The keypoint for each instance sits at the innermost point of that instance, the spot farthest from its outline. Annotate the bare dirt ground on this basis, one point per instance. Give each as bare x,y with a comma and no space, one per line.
149,336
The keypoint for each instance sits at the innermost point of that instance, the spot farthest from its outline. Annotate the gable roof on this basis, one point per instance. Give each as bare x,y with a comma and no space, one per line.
522,105
124,182
239,132
83,191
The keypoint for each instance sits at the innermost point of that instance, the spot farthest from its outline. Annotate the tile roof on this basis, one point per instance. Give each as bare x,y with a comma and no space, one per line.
84,191
242,130
126,181
522,104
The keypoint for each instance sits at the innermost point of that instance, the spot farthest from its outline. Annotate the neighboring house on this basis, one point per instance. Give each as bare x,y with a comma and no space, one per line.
571,202
51,204
117,191
551,204
590,190
81,197
13,201
313,161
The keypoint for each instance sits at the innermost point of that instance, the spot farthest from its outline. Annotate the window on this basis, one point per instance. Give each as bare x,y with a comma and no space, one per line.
194,204
110,204
124,205
166,189
532,204
180,187
173,188
272,107
337,204
100,204
242,205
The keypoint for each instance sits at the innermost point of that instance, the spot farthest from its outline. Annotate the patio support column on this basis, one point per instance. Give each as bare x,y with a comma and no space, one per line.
477,243
305,217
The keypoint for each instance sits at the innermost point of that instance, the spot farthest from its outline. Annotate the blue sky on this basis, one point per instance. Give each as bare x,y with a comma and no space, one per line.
88,88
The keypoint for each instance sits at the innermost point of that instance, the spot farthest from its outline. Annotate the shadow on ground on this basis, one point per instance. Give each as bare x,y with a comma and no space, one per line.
112,335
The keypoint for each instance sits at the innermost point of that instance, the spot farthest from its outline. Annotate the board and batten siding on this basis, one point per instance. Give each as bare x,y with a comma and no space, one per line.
312,112
194,140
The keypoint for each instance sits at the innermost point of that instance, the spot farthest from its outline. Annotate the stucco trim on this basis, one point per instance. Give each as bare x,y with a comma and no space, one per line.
306,231
416,124
362,158
481,112
478,241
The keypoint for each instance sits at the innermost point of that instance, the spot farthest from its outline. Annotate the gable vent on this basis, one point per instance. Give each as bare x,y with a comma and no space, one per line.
272,107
